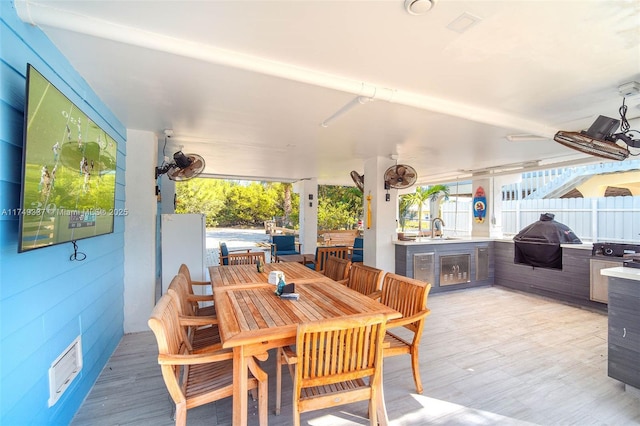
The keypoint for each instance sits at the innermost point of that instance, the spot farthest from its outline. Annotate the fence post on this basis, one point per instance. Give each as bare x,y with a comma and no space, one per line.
594,219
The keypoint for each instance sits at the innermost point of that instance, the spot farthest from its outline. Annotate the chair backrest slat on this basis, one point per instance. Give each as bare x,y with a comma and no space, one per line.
406,295
335,350
164,322
180,286
365,279
336,268
323,253
250,258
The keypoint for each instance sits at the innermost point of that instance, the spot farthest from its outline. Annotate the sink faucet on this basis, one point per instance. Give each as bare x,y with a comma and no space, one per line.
433,225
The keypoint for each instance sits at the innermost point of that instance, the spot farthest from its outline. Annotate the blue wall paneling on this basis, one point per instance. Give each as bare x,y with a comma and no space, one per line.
46,300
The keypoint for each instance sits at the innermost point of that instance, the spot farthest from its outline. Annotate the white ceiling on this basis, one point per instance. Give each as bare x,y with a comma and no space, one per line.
246,84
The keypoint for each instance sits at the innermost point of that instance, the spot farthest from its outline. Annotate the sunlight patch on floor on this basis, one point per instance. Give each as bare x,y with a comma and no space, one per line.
436,411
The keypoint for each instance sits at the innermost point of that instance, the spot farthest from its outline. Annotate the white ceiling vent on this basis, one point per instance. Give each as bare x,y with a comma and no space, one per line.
64,369
418,7
463,22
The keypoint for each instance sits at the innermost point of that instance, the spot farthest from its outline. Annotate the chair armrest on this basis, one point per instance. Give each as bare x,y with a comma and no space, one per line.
289,355
203,320
200,298
408,320
200,282
190,359
375,295
256,371
215,347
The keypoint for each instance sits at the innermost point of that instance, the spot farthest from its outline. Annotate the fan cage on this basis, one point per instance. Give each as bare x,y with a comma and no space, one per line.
393,179
588,145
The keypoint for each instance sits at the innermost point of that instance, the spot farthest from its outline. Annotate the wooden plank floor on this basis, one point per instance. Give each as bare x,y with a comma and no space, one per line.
489,356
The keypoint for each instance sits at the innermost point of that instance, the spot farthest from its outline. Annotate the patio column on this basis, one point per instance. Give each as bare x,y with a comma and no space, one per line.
308,235
379,250
139,231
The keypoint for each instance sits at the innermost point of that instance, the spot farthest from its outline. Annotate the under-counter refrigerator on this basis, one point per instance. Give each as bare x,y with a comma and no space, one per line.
183,239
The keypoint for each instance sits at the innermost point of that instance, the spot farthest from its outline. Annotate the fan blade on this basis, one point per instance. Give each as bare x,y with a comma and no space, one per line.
400,176
588,145
358,179
195,167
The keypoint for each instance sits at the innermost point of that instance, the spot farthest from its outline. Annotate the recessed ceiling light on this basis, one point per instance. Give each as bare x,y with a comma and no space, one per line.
463,22
418,7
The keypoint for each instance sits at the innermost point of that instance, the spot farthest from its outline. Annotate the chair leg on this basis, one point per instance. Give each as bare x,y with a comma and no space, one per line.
263,402
181,414
296,413
373,410
278,380
263,389
415,366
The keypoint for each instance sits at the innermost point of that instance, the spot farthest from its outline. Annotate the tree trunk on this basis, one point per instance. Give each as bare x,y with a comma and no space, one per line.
287,204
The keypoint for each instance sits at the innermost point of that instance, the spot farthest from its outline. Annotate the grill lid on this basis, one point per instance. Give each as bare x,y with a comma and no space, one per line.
539,243
547,230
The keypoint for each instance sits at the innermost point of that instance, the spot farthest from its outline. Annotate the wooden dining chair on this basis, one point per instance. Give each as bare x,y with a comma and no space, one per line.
336,361
225,252
322,253
409,297
200,309
364,279
249,258
201,331
336,268
197,379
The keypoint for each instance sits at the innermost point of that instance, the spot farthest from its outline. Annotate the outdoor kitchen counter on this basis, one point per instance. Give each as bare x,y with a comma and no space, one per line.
442,240
570,284
624,325
446,263
632,274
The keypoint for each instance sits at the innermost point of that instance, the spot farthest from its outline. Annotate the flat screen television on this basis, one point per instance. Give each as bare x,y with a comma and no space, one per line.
68,170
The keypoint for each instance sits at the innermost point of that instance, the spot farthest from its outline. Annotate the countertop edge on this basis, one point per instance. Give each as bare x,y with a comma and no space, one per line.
622,272
426,241
458,240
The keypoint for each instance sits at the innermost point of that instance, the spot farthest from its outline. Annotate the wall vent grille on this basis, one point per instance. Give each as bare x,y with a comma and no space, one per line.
64,369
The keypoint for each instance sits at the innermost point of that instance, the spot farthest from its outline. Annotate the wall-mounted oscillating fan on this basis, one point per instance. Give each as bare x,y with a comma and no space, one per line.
183,167
358,179
600,139
400,176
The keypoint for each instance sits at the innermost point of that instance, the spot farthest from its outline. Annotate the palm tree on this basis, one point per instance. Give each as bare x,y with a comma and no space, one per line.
434,194
288,188
403,209
418,198
437,193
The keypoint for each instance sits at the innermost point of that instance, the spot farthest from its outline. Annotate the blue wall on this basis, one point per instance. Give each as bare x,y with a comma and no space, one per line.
46,300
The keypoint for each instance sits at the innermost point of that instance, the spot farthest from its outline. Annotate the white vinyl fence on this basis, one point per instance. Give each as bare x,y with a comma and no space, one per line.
611,219
457,216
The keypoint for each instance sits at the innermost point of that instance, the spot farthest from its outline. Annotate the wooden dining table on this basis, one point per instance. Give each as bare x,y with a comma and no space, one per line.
253,320
225,275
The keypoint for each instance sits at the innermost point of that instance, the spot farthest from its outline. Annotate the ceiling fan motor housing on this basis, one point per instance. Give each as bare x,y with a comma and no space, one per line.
181,160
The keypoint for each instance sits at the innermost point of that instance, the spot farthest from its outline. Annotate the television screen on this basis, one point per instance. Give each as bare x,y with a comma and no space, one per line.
68,170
